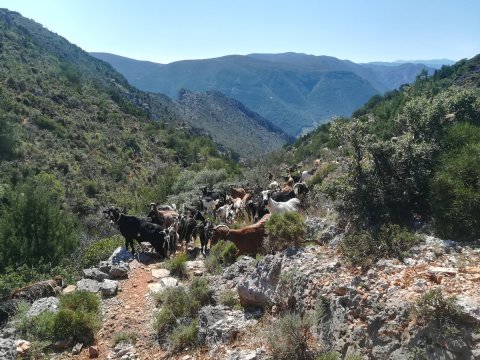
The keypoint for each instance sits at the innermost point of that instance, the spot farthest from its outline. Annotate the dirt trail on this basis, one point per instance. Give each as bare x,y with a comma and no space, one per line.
130,311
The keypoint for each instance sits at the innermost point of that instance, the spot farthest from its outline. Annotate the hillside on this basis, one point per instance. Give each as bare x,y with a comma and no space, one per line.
230,124
294,91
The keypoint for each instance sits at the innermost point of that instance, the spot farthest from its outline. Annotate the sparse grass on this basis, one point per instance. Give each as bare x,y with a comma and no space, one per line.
221,255
285,230
99,251
127,337
331,355
434,306
229,298
288,336
178,266
184,336
199,291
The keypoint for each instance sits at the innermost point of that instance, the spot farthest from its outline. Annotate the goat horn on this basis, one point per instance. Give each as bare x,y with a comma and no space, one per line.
221,225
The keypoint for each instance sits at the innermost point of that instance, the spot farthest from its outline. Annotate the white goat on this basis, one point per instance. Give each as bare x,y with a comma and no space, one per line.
283,207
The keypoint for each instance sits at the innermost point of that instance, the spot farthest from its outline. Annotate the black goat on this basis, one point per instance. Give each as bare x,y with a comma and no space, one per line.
133,228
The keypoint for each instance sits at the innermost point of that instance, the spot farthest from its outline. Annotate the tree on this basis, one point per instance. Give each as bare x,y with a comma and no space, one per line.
34,228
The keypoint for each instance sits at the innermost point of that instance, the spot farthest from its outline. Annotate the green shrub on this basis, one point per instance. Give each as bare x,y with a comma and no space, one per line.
221,255
455,194
363,247
331,355
34,226
99,251
199,291
127,337
83,301
184,336
178,265
285,230
164,322
79,325
288,336
180,302
229,298
432,305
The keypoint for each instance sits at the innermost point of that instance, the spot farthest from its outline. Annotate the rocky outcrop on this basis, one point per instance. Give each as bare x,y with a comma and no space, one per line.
221,324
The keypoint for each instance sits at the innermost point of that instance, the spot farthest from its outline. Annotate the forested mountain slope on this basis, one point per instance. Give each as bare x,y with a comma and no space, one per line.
294,91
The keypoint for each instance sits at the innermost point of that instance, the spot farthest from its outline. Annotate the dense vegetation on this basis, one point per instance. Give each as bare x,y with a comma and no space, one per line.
408,157
75,137
294,91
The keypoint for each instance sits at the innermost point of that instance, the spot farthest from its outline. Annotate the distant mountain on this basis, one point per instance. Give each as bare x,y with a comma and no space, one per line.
230,123
73,116
294,91
435,63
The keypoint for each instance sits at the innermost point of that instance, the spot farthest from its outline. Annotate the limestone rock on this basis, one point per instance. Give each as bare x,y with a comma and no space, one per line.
45,304
108,288
88,285
95,274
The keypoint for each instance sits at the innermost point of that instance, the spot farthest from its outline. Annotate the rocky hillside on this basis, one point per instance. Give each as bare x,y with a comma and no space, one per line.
426,306
294,91
231,124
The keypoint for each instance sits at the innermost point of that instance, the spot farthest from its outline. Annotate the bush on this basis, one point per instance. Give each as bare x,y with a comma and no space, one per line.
178,265
81,301
78,317
34,226
221,255
184,336
455,194
285,230
199,291
288,337
178,301
99,251
363,247
164,322
229,298
434,306
128,337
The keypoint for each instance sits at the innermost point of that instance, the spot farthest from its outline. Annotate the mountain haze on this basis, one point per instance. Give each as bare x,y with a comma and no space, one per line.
294,91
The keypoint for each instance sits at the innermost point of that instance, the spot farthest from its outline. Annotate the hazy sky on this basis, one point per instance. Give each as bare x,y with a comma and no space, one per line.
358,30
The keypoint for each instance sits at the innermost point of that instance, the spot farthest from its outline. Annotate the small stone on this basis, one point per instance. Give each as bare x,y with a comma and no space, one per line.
22,347
77,348
198,273
69,289
93,352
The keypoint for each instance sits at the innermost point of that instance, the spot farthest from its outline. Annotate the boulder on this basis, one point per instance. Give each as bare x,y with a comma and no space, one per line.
7,349
119,271
221,324
95,274
45,304
68,289
108,288
88,285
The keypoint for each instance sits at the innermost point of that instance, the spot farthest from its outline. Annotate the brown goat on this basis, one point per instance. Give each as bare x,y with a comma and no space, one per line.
248,240
237,193
165,218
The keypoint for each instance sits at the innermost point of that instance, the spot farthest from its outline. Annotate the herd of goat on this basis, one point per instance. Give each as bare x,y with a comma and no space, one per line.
166,227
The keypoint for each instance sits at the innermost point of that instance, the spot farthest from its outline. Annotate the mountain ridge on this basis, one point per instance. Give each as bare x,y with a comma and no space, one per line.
277,86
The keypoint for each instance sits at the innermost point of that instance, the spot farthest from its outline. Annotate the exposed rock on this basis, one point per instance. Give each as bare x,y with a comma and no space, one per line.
163,284
221,324
108,288
22,347
68,289
44,304
7,349
470,308
88,285
93,352
119,271
258,354
77,348
120,255
258,288
95,274
62,345
160,273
